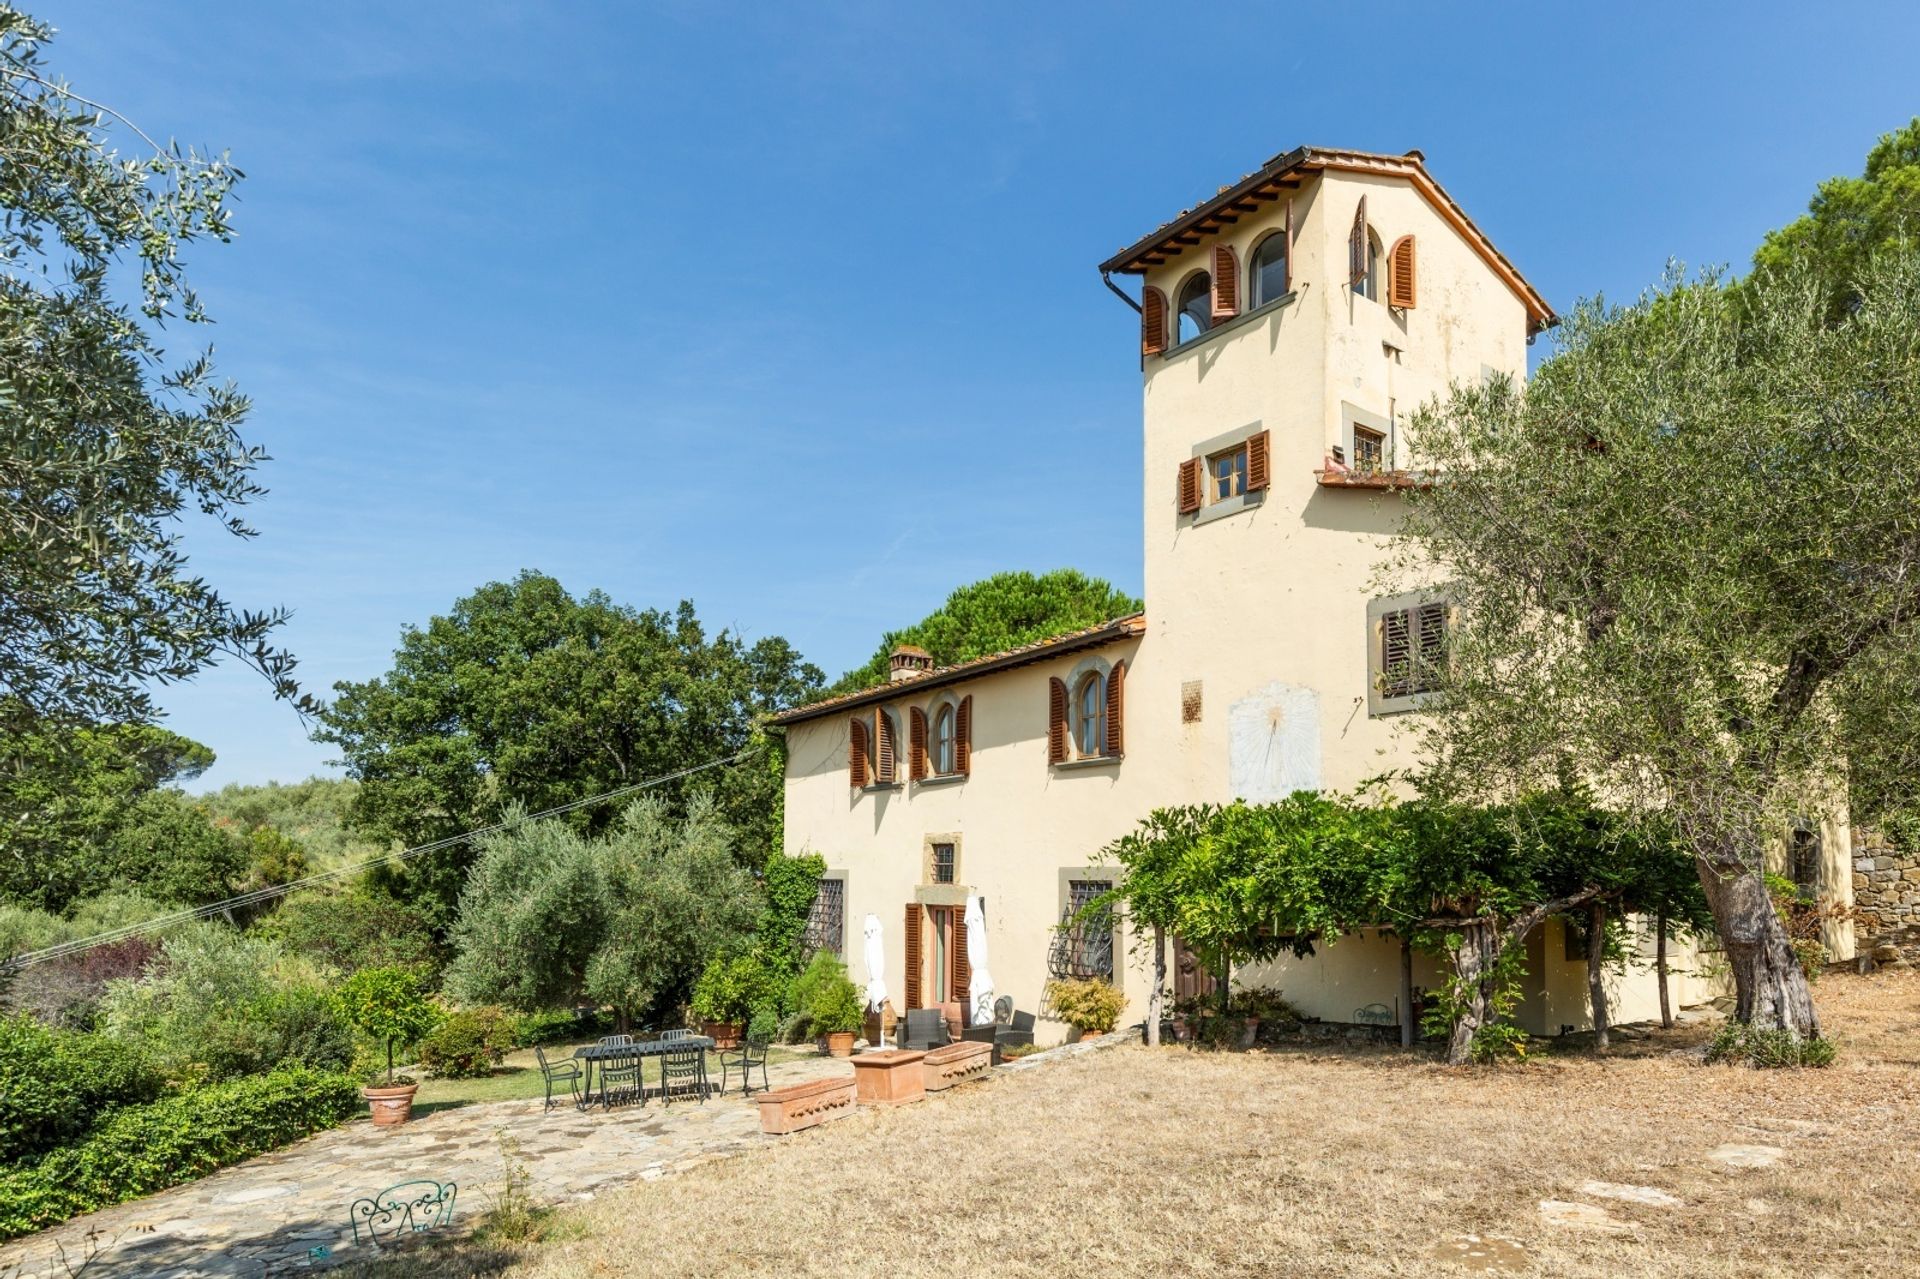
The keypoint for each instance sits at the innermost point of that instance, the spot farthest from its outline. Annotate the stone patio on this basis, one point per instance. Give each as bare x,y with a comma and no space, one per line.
265,1216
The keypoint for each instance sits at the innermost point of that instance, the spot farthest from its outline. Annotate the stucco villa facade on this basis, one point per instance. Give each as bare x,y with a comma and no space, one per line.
1288,326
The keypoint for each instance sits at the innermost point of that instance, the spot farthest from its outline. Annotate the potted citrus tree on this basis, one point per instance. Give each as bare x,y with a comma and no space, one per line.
388,1004
719,1000
837,1012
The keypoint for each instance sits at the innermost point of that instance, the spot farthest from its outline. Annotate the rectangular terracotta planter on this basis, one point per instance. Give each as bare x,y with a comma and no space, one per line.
890,1078
798,1106
956,1063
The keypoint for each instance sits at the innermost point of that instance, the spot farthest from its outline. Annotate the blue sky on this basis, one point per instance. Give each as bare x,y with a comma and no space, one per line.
792,310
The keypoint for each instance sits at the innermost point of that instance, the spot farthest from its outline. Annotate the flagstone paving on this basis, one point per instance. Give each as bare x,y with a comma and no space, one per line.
267,1215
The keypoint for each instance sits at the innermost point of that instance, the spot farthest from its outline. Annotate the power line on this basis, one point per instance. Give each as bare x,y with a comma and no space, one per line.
27,959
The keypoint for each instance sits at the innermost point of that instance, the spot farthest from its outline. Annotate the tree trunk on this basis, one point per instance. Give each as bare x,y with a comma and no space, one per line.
1474,962
1596,975
1660,967
1770,990
1407,1031
1155,994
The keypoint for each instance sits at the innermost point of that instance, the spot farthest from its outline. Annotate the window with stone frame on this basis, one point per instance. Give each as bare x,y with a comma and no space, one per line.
1369,450
1083,949
827,918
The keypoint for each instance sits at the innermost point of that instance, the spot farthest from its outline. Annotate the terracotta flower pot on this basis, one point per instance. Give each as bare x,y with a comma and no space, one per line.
390,1105
725,1034
889,1078
840,1043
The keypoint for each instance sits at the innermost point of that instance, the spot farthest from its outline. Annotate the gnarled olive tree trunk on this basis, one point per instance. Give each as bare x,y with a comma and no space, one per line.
1475,962
1770,990
1596,972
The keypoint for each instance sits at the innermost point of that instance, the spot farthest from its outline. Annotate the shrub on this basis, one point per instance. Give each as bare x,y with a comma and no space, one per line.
1264,1002
141,1149
1736,1043
824,967
66,992
547,1027
1091,1006
389,1005
54,1085
350,931
837,1005
764,1027
733,989
468,1044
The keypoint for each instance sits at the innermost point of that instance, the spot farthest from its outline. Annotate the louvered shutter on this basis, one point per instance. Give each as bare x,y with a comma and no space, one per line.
1396,653
1056,721
962,970
916,744
912,933
1289,284
1401,289
1357,245
1186,486
1259,466
883,758
1153,321
857,752
1117,709
1226,284
1431,643
963,736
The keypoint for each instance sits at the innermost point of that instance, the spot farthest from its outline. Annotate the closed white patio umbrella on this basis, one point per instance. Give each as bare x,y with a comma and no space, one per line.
876,974
980,982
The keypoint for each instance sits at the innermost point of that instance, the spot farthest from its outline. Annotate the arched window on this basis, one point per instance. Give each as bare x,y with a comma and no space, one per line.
1090,715
1370,283
943,740
1267,269
1196,307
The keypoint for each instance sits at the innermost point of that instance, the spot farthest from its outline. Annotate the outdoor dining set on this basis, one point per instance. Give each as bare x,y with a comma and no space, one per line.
620,1062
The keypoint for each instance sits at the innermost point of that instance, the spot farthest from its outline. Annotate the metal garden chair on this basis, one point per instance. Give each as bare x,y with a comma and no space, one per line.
551,1073
751,1052
682,1067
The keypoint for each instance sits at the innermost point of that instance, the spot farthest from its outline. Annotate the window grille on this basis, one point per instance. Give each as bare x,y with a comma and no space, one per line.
943,862
826,920
1082,950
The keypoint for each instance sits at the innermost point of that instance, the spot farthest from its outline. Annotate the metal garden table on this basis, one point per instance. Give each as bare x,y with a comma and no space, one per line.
639,1048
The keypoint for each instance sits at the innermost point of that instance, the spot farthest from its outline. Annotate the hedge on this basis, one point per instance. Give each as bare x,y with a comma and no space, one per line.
141,1149
56,1084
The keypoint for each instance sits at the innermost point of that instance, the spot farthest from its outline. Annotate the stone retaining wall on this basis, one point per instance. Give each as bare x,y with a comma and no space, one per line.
1886,885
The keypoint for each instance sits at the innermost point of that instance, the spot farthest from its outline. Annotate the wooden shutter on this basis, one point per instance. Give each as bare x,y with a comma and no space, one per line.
913,993
1396,653
916,744
963,736
1401,290
857,752
1117,709
1056,721
962,970
1289,284
1153,321
1226,284
1430,643
883,758
1186,486
1259,465
1357,245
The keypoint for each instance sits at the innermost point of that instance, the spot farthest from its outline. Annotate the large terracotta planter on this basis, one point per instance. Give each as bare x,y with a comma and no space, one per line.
890,1078
798,1106
840,1043
955,1064
390,1105
725,1034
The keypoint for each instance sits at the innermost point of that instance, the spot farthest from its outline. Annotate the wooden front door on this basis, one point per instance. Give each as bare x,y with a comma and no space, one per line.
938,971
1190,979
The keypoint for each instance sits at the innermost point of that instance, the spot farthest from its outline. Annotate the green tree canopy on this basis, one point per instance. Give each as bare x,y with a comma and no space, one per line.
999,612
104,446
525,694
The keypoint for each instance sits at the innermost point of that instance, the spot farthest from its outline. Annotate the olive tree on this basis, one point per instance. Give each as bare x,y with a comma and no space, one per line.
1683,562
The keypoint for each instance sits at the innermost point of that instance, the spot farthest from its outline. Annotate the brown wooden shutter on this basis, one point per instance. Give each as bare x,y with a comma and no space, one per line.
1056,722
916,744
1357,245
857,752
1401,290
963,736
1117,709
1430,641
1153,321
1396,653
883,761
1186,486
913,994
1289,284
962,970
1259,466
1226,284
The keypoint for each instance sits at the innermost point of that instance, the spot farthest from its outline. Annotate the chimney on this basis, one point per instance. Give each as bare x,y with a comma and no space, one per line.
908,662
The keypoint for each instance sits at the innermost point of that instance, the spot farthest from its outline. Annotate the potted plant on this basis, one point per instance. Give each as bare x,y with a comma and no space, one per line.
1091,1007
388,1004
837,1013
718,1001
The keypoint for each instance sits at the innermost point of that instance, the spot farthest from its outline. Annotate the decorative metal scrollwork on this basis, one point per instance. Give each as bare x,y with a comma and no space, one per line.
408,1208
1082,949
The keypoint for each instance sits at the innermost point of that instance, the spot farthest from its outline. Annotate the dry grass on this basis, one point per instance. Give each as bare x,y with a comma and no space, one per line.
1316,1161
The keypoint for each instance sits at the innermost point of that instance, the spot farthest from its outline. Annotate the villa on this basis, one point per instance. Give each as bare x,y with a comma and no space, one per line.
1288,325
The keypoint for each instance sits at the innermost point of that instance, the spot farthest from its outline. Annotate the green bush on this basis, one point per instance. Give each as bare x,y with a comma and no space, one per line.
550,1026
141,1149
352,930
55,1085
1092,1006
824,967
837,1005
468,1044
1737,1043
